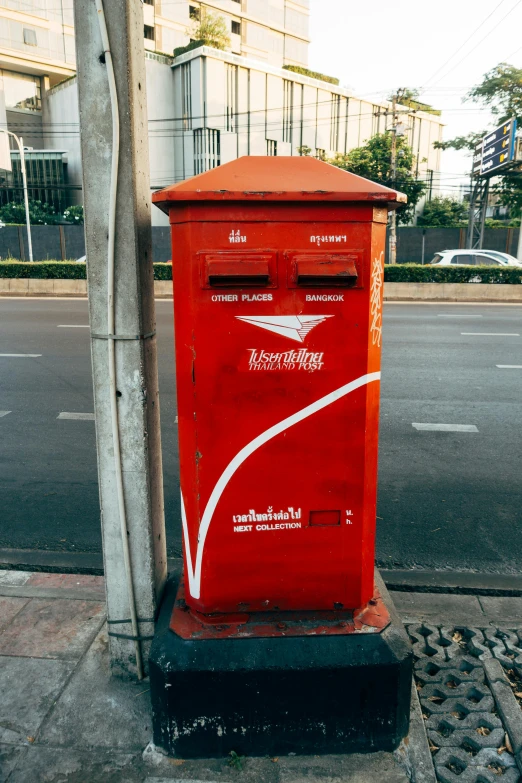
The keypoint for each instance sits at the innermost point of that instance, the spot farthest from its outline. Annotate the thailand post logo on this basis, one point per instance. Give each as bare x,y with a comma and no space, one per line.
294,327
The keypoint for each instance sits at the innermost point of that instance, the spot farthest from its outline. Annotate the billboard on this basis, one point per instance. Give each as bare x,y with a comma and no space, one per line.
496,150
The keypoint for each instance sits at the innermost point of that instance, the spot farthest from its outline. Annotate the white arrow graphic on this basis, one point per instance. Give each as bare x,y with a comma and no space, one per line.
194,573
295,327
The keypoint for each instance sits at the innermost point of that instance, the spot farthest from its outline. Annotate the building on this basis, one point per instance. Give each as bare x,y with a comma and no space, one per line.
275,31
205,106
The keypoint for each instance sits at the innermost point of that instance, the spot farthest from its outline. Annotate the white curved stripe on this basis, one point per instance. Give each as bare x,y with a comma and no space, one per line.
194,576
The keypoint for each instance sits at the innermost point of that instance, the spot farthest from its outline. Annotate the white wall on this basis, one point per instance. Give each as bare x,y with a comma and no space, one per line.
61,125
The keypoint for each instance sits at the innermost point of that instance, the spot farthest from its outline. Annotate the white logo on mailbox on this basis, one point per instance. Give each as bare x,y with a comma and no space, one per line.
295,327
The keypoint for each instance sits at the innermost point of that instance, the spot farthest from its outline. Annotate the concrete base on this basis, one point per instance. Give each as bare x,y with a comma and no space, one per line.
263,696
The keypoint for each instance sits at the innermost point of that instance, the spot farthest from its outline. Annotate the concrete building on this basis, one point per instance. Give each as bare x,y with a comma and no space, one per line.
205,106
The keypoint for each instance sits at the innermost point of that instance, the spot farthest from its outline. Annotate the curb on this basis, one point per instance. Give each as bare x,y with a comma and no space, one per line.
502,293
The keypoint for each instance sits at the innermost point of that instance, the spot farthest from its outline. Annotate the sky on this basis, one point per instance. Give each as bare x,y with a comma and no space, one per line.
377,46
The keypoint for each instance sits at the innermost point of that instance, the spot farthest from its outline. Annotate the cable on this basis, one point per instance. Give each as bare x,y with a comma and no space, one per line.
481,41
462,45
111,330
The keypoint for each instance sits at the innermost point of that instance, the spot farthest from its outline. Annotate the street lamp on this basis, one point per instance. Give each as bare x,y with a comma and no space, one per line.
20,143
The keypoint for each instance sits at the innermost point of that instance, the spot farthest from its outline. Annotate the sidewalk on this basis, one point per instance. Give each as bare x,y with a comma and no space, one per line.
64,720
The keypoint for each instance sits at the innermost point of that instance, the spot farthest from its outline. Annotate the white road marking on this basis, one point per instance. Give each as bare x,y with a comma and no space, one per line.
21,355
77,416
509,366
4,413
491,334
445,427
72,326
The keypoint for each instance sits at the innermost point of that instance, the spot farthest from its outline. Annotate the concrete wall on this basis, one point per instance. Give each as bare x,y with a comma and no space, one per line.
61,130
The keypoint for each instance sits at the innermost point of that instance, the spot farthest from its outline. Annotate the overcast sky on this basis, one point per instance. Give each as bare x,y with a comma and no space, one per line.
376,46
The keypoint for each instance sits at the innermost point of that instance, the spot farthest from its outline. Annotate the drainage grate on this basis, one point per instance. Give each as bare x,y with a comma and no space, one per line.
466,735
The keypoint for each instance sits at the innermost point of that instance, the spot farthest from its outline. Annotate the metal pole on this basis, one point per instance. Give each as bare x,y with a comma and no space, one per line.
112,99
393,215
519,250
423,245
26,196
20,143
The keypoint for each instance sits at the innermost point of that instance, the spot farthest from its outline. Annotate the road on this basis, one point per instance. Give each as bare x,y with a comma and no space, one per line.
447,499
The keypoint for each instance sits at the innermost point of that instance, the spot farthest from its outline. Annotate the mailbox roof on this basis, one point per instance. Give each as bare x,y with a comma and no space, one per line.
277,179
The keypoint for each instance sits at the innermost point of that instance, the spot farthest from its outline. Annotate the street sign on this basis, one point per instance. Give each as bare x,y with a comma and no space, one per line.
496,150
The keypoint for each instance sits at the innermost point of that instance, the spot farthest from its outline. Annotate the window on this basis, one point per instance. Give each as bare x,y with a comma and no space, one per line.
464,258
22,91
148,2
271,147
334,126
231,73
194,13
288,104
148,32
30,37
236,28
186,97
207,149
486,261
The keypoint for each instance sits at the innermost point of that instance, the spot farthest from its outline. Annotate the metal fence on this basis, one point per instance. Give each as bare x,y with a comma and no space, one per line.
414,244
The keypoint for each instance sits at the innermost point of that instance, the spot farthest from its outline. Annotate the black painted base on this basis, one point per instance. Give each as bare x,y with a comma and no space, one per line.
304,695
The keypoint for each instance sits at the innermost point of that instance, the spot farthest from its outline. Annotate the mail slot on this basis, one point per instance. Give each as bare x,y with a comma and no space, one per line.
278,267
324,270
229,270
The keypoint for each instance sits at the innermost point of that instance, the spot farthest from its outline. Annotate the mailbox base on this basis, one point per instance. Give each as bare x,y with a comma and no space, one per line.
272,696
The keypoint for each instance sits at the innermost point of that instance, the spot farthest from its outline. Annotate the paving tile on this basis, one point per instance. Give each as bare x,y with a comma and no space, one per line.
52,629
10,755
443,607
79,583
97,710
9,608
503,610
14,577
46,765
28,688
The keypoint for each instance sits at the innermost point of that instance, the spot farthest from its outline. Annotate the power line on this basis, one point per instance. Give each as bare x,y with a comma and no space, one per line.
481,41
463,45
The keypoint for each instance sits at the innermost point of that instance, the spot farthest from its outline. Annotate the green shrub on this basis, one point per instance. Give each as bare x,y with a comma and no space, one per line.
417,273
64,270
397,273
311,74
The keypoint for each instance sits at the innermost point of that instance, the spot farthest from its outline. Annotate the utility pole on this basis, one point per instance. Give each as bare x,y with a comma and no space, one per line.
20,144
115,159
393,215
519,249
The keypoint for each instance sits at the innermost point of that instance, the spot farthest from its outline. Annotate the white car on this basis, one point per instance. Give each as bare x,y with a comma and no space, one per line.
474,258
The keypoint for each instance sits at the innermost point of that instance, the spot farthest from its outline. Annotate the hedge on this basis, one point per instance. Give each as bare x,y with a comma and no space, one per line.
398,273
64,270
417,273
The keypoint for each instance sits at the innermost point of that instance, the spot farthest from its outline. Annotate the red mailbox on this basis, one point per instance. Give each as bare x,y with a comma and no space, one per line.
278,284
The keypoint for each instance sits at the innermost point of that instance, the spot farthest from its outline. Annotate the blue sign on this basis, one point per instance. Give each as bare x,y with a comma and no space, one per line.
498,149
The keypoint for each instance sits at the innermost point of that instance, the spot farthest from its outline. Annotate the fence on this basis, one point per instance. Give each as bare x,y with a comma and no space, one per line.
67,242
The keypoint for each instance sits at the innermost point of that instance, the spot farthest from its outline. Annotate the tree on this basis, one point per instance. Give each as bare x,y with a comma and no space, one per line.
441,211
212,30
74,214
40,214
373,161
500,90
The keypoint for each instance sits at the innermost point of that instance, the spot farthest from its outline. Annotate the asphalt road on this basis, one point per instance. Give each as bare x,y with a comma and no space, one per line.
447,499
